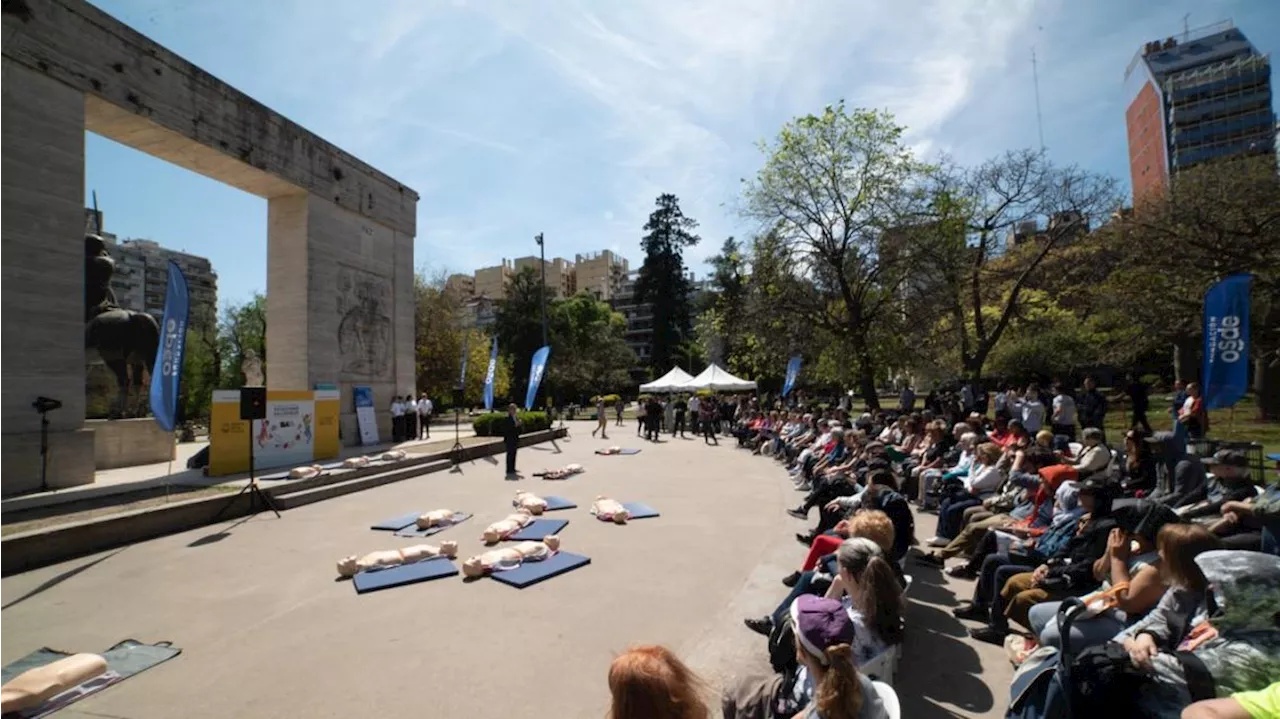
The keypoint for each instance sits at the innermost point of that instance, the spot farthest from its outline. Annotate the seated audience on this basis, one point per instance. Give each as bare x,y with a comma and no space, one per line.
1180,477
982,480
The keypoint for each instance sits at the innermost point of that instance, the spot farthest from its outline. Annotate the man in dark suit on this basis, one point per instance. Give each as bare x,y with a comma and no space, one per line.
511,437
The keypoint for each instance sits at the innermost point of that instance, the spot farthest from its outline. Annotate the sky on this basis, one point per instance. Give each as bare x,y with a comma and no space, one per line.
569,118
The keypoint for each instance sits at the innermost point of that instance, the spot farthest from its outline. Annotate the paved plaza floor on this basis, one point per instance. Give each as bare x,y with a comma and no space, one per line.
266,630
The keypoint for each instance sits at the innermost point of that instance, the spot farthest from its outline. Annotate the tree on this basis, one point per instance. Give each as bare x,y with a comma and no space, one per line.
988,230
478,344
438,336
719,320
1217,219
832,184
662,282
518,326
201,367
589,353
243,328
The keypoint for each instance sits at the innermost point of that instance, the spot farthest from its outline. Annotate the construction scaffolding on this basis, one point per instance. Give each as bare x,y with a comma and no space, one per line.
1218,110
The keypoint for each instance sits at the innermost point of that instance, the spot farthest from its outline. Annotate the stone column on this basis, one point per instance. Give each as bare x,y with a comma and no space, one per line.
340,304
42,280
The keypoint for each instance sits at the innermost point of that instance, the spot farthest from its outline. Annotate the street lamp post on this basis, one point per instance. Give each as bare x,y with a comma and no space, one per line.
542,252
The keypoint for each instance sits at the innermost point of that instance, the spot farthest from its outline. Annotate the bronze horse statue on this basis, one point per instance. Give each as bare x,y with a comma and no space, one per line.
126,340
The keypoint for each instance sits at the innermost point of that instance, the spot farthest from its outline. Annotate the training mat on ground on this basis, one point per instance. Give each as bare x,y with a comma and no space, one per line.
531,573
537,529
325,468
554,503
413,531
395,524
640,510
123,661
371,580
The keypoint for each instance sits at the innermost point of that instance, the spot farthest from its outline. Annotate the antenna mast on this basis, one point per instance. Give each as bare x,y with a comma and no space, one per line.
1035,79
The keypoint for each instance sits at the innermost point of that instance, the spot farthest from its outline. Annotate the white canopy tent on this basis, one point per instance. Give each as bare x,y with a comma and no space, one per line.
669,382
715,377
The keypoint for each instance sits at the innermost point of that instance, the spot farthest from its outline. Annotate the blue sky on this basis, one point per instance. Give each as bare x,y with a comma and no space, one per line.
512,117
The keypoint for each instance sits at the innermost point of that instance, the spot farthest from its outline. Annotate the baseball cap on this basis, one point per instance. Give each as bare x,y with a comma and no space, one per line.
820,623
1229,457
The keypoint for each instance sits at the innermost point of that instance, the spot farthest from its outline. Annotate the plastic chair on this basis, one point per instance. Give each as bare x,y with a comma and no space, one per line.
882,666
889,698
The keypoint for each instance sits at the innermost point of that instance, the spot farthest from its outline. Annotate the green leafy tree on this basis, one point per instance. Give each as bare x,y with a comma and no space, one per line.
831,185
478,344
986,233
201,367
518,326
589,353
663,282
243,328
437,336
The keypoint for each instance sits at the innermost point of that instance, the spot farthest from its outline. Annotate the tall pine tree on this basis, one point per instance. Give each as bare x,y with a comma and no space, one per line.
663,282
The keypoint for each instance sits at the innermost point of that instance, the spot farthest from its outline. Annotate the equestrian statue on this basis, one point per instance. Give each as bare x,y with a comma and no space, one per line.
126,340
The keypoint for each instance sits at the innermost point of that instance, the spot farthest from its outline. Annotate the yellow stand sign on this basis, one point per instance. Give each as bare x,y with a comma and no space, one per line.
301,427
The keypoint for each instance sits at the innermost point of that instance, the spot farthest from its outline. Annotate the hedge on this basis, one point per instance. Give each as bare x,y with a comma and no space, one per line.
488,425
609,399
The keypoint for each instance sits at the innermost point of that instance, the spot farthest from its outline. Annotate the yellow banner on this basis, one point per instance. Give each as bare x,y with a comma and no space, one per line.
300,427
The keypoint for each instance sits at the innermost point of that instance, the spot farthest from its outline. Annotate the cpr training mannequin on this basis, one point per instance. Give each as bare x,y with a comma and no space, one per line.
530,502
435,518
610,510
35,686
504,528
562,473
609,450
352,565
394,455
306,472
355,462
511,556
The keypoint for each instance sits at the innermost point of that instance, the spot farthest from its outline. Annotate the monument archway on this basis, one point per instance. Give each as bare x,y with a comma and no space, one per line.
339,238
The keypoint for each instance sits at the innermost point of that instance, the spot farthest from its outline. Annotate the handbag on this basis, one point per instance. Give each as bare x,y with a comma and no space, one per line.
1096,603
1104,681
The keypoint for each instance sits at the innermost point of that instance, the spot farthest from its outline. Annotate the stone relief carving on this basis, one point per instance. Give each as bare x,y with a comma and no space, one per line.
364,324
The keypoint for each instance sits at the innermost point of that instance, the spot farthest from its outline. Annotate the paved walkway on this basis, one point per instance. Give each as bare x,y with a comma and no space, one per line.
267,631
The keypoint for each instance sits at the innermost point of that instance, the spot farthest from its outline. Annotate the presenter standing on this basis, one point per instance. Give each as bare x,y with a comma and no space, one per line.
511,438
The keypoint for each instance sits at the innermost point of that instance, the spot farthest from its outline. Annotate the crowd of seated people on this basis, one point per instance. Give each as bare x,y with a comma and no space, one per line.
1036,507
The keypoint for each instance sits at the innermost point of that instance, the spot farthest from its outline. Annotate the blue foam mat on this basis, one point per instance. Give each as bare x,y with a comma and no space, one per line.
537,529
413,531
395,524
531,573
640,510
555,503
628,452
424,571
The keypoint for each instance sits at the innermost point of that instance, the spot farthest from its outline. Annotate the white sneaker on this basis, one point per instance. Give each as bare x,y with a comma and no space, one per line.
938,542
804,487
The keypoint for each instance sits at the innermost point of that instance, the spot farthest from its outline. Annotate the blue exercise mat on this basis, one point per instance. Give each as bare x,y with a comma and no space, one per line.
371,580
537,529
531,573
395,524
413,531
628,452
640,510
554,503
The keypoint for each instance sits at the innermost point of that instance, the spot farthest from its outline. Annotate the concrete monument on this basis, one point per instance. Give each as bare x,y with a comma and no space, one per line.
334,223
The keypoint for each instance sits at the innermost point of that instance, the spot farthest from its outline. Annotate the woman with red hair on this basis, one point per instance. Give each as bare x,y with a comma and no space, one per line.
650,682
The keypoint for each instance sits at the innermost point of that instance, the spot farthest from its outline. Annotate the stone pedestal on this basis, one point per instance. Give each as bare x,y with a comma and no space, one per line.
130,442
42,279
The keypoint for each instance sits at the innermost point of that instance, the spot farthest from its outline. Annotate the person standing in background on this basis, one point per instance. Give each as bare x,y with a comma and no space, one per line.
1139,401
1092,407
1029,409
907,400
966,398
1192,414
511,438
410,418
706,418
681,408
617,409
397,420
425,410
641,412
602,419
695,413
1179,400
1064,412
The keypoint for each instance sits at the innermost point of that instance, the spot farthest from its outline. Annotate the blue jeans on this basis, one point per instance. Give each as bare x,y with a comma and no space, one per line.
806,585
951,515
1091,632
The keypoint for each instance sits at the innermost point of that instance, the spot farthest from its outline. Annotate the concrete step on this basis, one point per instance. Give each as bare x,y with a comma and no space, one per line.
347,485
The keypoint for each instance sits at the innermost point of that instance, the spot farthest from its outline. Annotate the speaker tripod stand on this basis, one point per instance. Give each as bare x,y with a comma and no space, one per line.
256,495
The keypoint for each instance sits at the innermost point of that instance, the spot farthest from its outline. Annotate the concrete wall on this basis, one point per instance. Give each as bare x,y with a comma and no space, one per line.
340,286
130,442
42,279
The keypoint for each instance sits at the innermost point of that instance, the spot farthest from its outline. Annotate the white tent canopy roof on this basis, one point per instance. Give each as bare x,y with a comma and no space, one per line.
715,377
669,382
